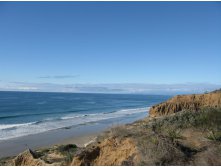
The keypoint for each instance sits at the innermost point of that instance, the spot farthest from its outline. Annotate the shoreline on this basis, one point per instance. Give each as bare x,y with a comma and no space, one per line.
182,137
79,135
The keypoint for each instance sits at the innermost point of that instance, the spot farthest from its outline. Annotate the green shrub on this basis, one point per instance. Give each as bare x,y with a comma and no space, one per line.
68,157
63,149
67,151
207,119
174,133
214,135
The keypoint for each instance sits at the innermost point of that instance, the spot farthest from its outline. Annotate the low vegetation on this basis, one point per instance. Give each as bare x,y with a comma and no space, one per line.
57,155
175,139
206,119
183,138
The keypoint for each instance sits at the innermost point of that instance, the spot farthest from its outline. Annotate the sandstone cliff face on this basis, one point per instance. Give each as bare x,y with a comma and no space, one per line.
108,152
185,138
186,102
28,158
178,139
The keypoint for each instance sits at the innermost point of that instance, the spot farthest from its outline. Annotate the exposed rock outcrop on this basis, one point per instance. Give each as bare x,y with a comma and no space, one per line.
178,139
108,152
183,138
186,102
28,158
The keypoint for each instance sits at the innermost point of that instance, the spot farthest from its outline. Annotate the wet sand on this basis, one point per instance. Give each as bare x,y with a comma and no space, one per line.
79,135
76,135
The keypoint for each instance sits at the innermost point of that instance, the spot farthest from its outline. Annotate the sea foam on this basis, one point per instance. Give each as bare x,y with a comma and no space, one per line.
17,130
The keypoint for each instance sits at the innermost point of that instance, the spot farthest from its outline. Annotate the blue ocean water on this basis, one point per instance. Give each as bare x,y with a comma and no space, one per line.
25,113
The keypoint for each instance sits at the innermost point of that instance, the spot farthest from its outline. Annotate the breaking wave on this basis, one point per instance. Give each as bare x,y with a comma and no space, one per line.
8,131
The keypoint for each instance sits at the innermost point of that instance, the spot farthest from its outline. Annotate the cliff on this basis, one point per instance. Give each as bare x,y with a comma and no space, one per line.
184,138
179,137
28,158
187,102
110,151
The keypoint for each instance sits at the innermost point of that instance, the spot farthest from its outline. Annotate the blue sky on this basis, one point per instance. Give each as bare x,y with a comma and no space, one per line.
92,43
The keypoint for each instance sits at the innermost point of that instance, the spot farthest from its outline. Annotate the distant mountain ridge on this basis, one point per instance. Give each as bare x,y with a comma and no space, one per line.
192,102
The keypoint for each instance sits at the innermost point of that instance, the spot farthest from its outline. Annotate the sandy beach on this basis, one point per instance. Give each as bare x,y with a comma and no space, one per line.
79,135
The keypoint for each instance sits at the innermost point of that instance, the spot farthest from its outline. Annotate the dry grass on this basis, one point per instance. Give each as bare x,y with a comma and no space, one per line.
161,141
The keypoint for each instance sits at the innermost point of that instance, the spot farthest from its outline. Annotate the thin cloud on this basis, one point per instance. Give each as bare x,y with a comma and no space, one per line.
169,89
58,76
28,88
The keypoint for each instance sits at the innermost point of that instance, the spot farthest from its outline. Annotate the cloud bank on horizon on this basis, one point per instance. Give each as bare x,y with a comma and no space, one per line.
133,88
69,44
58,76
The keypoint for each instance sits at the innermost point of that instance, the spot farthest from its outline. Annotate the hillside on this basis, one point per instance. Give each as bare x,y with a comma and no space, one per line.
185,138
187,102
179,137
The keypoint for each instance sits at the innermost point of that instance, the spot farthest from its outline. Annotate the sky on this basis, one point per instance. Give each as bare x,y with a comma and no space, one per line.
49,46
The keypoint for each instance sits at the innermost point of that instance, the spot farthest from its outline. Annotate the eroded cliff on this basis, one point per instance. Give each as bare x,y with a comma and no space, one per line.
181,138
193,102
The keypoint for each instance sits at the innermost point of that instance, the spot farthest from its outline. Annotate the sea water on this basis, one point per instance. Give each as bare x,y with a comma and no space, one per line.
26,113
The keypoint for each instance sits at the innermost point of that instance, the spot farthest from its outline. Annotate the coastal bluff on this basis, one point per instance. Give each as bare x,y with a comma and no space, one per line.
173,134
192,102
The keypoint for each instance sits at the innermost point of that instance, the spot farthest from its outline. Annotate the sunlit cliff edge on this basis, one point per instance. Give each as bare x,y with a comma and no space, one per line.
185,130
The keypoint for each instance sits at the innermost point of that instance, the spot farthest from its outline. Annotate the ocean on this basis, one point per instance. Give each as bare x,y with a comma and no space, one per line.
27,113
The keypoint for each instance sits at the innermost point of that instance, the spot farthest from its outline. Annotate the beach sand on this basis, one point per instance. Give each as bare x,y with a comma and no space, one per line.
79,135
